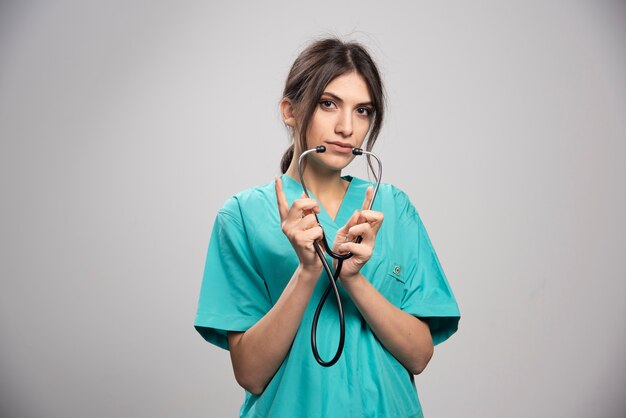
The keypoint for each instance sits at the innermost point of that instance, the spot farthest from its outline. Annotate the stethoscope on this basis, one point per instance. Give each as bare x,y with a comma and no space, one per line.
332,277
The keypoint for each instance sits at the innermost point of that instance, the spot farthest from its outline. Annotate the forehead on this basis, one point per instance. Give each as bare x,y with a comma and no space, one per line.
350,87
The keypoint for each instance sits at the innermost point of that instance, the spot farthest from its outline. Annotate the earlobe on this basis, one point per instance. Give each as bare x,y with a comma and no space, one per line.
286,112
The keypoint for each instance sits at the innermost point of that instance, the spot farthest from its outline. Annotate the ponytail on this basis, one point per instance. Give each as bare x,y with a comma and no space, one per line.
285,162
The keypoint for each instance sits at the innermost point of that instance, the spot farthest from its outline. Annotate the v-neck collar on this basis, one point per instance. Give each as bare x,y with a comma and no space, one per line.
352,199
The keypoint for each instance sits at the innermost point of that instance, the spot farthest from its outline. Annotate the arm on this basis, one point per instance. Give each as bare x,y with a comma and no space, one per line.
406,337
257,353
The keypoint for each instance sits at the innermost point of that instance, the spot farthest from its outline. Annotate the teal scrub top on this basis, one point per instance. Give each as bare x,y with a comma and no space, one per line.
249,263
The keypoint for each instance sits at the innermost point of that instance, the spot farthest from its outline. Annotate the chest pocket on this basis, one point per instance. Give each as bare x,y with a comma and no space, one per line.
393,283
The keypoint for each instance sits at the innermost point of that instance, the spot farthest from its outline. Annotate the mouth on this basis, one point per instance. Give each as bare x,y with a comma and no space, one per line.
339,146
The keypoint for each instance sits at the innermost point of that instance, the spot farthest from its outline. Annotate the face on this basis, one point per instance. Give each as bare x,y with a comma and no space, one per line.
341,121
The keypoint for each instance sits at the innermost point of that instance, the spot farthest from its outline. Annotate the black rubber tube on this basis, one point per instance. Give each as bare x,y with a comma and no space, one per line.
342,325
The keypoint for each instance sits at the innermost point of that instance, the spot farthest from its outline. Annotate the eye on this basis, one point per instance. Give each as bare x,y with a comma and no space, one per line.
364,111
327,104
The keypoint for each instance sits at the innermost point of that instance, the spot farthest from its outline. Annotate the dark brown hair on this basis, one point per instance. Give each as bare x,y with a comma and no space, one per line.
318,65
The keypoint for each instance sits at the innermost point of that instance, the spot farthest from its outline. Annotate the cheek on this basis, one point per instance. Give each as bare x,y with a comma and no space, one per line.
318,124
312,133
363,126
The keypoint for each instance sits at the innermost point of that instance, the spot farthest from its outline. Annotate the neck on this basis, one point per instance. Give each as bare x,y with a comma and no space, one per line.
322,182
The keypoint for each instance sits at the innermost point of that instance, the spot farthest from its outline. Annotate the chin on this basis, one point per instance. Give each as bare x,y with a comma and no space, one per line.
335,161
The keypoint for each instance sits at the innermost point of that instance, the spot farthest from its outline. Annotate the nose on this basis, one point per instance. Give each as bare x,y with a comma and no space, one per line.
343,126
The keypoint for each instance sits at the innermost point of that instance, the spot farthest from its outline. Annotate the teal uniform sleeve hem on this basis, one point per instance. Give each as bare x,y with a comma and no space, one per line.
443,320
214,328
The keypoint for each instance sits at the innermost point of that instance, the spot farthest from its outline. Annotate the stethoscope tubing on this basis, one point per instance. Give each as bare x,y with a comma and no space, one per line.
333,277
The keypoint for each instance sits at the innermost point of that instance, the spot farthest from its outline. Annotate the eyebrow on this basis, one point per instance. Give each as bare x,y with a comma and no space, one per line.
340,100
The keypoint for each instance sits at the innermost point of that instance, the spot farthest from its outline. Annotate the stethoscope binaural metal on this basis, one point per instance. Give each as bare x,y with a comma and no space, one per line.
332,277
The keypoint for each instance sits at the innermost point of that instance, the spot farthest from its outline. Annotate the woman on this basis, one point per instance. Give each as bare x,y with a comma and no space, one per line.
263,278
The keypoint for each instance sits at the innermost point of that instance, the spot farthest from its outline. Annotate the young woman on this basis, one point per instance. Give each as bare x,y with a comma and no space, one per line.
263,278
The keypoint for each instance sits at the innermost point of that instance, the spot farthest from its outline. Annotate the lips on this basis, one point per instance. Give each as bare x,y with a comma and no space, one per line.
340,146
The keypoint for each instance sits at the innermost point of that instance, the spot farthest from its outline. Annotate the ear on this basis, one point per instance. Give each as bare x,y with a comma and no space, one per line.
286,112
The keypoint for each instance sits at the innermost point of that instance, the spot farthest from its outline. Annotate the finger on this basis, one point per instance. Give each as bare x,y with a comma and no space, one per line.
342,233
364,233
299,207
281,200
313,234
305,211
359,250
372,216
362,230
354,220
306,238
307,222
369,195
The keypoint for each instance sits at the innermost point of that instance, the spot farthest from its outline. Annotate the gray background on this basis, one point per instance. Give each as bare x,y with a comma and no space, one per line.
125,125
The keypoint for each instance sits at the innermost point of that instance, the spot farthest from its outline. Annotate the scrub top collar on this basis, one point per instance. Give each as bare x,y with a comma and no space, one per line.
352,200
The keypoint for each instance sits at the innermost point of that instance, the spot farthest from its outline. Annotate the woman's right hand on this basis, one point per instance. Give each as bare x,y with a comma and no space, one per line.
299,224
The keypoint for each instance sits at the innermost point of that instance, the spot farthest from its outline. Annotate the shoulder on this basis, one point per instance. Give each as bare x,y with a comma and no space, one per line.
393,201
395,193
253,199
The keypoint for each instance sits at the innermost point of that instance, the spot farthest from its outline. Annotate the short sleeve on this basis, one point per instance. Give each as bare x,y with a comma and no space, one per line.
233,296
428,294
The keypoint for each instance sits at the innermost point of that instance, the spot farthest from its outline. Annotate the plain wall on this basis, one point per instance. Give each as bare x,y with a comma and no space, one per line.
125,125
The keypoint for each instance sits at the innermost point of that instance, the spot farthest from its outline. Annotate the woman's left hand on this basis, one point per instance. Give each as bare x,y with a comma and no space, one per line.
364,223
